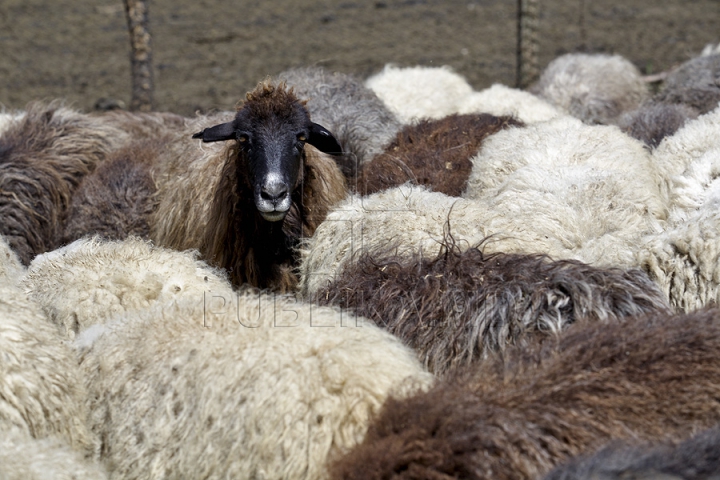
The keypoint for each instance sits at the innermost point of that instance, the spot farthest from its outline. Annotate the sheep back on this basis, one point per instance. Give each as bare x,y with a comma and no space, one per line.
596,88
500,100
413,93
91,280
459,307
43,157
117,199
434,153
696,83
654,121
247,385
646,378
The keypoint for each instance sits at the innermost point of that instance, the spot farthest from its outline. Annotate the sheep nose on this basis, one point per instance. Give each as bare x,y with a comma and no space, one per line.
273,191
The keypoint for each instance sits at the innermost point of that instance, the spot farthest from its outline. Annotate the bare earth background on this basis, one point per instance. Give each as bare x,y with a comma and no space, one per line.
207,53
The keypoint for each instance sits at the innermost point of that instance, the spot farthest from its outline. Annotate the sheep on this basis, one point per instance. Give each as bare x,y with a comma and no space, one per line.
92,280
563,142
517,417
458,307
683,259
419,92
654,121
247,385
41,391
10,267
595,88
435,153
675,153
245,205
693,459
360,121
571,213
8,118
25,458
500,100
117,199
696,83
43,157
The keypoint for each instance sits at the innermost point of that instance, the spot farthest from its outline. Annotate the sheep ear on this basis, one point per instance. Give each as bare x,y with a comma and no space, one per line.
218,133
323,140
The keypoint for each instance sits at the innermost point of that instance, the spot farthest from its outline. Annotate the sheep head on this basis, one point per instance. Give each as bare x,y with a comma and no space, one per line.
271,130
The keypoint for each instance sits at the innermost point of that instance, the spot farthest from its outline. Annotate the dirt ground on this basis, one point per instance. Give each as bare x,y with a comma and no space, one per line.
207,53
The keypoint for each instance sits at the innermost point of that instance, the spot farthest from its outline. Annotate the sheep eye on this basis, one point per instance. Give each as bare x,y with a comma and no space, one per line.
242,139
302,137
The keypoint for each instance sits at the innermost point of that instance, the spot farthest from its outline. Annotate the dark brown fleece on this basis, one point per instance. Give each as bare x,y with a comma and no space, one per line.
43,158
251,249
434,153
116,200
460,306
519,416
697,458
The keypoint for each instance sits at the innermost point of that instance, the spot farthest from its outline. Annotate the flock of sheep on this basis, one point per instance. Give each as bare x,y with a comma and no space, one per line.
397,277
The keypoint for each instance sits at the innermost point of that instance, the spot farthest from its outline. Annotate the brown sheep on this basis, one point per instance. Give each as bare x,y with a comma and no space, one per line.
649,377
117,199
696,458
435,153
247,204
459,307
43,157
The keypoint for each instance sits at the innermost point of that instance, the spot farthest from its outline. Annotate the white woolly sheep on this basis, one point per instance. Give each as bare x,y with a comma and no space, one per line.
360,121
25,458
595,88
675,153
91,280
500,100
41,391
248,386
419,92
684,259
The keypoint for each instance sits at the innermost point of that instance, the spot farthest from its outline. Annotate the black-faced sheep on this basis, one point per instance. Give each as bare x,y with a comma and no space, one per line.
25,458
460,307
358,119
90,281
245,385
43,157
434,153
654,121
245,205
696,84
117,199
518,417
41,390
696,458
420,92
595,88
